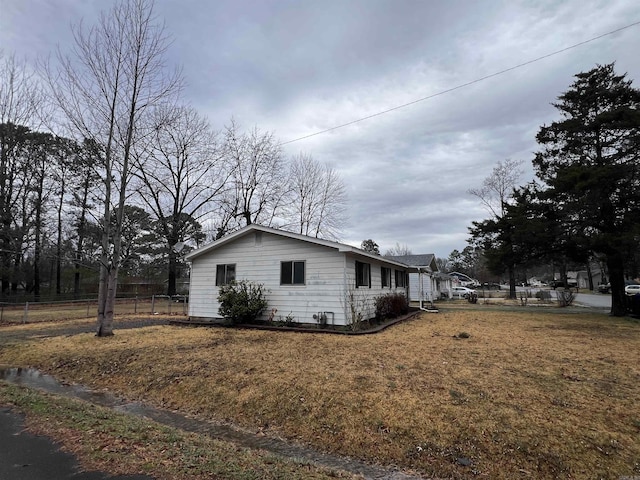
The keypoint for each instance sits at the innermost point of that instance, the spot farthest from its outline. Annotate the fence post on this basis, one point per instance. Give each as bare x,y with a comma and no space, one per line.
88,303
153,304
135,305
26,313
169,304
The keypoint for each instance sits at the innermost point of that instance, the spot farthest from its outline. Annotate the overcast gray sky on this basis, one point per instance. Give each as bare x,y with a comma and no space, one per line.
299,67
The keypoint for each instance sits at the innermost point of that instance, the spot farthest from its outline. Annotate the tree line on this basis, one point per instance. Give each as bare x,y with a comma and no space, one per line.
105,172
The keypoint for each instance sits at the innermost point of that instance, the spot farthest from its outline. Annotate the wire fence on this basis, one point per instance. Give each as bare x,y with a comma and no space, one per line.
33,312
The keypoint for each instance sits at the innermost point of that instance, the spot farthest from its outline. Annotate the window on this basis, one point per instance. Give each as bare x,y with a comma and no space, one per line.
401,278
385,273
292,273
225,274
363,275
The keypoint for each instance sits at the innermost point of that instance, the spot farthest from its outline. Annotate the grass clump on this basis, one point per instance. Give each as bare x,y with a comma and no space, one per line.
123,445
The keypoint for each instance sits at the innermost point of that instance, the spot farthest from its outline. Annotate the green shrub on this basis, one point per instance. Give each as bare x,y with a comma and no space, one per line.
391,305
242,302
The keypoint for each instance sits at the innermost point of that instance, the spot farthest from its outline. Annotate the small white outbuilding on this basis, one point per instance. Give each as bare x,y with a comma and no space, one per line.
308,280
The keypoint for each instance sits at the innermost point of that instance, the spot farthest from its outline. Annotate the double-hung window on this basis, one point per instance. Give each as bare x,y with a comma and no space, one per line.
225,274
401,279
385,274
292,273
363,274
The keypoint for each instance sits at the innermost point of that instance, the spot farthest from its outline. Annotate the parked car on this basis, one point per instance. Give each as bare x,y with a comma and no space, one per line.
556,284
604,288
632,289
491,286
462,292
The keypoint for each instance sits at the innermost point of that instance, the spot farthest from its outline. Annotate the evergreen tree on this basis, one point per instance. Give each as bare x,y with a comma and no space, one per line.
589,161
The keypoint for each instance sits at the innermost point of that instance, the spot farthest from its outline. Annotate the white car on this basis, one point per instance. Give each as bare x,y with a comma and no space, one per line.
632,289
462,292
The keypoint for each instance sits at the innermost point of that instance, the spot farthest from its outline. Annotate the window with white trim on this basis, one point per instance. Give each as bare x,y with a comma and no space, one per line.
225,274
292,273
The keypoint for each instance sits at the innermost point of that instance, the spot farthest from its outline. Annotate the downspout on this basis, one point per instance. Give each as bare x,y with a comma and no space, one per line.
429,310
420,287
345,291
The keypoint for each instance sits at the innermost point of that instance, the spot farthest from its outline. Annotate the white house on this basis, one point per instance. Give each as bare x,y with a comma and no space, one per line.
308,280
422,284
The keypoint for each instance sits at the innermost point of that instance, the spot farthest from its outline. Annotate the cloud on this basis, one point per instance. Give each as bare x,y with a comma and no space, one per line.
297,68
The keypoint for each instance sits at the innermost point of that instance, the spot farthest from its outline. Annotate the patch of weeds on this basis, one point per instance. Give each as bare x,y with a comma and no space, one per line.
561,402
462,335
453,455
457,397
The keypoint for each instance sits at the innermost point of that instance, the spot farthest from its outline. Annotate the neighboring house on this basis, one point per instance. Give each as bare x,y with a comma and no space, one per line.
443,285
582,279
422,287
308,280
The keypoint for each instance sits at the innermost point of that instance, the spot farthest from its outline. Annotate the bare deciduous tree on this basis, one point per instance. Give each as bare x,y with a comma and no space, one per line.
498,187
116,72
495,194
318,199
398,251
20,100
180,174
258,176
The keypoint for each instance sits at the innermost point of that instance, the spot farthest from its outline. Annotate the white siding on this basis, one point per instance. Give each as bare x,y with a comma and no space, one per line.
362,299
329,279
428,291
260,262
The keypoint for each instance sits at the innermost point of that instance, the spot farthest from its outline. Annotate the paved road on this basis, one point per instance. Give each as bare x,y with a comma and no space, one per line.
28,457
595,300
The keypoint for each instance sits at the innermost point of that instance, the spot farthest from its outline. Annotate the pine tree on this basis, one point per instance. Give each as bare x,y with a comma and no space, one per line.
590,163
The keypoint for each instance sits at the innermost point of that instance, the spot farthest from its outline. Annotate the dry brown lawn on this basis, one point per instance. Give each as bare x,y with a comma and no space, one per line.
527,395
58,311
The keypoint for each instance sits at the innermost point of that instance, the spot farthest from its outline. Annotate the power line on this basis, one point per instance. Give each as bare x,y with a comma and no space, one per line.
477,80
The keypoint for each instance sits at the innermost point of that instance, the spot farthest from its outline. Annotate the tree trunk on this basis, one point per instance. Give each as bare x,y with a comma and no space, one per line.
59,250
615,265
590,276
512,281
81,233
171,286
36,254
104,325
